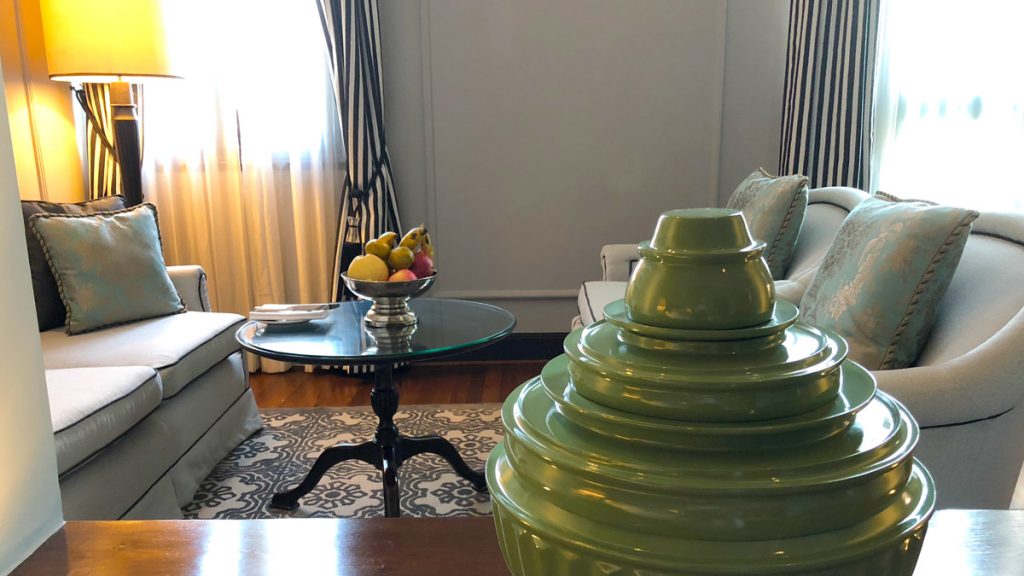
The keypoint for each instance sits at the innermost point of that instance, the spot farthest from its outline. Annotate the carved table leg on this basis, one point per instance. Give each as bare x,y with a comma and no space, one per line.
368,452
412,446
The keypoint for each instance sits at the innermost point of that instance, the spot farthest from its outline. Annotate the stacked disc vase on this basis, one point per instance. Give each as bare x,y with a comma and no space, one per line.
700,429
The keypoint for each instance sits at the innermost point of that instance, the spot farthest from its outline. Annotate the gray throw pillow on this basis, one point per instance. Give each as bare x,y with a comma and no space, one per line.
50,311
108,266
774,208
881,281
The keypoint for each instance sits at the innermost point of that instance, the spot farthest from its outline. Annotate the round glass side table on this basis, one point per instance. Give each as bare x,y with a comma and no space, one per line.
444,327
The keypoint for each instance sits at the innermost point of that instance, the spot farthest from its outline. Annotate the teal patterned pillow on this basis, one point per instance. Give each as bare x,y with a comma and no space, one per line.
50,310
774,208
881,281
108,266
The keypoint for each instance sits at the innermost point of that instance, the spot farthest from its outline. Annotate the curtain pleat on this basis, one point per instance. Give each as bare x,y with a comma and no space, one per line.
827,99
369,205
104,172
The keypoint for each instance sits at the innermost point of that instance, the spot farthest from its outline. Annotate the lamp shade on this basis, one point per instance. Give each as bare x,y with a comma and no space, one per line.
105,40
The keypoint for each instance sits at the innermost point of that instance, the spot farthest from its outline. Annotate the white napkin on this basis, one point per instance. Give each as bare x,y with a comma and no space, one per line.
292,312
290,307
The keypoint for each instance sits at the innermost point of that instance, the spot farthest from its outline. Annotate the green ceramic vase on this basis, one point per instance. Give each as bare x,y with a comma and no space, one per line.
717,446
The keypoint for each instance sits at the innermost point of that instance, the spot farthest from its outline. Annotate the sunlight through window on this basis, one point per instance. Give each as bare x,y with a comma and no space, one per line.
949,122
264,64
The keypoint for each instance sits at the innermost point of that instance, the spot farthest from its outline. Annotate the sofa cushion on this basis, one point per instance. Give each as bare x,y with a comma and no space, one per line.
50,311
179,347
880,284
774,208
92,407
109,266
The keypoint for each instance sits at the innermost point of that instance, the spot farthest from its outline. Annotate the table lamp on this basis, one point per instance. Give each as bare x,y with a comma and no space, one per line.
110,41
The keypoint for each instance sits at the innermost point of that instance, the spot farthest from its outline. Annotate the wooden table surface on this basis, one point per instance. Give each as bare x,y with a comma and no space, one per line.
980,543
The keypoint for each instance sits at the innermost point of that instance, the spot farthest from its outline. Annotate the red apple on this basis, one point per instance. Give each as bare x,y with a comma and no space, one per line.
402,276
422,265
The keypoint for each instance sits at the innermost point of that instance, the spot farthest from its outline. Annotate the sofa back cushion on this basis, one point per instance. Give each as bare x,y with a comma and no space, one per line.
883,279
49,309
774,208
985,293
109,266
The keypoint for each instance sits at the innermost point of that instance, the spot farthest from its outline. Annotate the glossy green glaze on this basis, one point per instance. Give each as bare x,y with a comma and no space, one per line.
800,374
857,388
648,449
702,271
694,230
539,537
783,315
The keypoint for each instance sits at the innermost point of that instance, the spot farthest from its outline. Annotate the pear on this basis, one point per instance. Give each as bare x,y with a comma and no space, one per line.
389,238
379,249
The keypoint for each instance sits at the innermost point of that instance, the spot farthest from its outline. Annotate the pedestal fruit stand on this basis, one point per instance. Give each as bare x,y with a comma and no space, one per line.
700,429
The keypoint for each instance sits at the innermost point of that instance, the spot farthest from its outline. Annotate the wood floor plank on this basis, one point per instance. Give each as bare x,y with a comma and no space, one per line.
431,383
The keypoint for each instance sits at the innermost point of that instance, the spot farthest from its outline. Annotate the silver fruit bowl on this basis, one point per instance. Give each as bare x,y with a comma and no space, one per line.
390,299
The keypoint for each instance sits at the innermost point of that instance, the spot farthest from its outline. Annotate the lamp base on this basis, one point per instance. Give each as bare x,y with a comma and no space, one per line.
126,134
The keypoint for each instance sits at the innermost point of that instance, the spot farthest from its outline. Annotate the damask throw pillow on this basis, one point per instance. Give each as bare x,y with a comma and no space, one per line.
50,311
774,208
108,266
881,281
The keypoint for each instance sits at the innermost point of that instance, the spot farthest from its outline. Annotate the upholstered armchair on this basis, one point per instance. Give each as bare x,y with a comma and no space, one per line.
966,389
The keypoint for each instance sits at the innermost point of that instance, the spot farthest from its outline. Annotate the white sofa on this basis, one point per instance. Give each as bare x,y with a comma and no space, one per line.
143,412
967,386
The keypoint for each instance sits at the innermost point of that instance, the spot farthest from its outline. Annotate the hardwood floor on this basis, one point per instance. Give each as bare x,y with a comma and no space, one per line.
428,383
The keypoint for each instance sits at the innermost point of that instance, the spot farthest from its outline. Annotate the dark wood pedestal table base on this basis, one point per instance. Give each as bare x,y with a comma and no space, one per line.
386,452
444,327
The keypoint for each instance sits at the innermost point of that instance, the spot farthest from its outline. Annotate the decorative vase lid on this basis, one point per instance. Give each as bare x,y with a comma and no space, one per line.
701,428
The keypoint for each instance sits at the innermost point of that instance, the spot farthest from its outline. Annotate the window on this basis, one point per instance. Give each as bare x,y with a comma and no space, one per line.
255,72
949,117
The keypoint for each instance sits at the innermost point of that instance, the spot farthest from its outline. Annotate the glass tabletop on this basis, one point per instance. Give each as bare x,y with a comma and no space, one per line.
445,327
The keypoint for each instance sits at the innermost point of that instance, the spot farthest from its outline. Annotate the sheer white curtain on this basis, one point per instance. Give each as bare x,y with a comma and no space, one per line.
949,116
244,158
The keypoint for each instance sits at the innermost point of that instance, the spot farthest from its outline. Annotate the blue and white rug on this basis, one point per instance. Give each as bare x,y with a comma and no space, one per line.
280,455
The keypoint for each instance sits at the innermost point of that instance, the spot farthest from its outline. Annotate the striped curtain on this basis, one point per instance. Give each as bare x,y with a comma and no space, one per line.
369,206
101,146
827,104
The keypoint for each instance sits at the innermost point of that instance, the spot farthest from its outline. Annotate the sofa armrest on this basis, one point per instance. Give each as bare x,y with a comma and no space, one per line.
618,260
982,383
190,282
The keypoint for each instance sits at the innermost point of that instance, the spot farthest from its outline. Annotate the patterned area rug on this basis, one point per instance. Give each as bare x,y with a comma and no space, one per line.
280,455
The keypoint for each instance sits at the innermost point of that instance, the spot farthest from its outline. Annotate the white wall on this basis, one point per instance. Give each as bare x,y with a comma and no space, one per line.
529,133
29,497
39,110
755,67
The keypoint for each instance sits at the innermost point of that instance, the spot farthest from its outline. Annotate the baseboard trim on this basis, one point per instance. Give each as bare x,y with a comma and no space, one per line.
517,346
